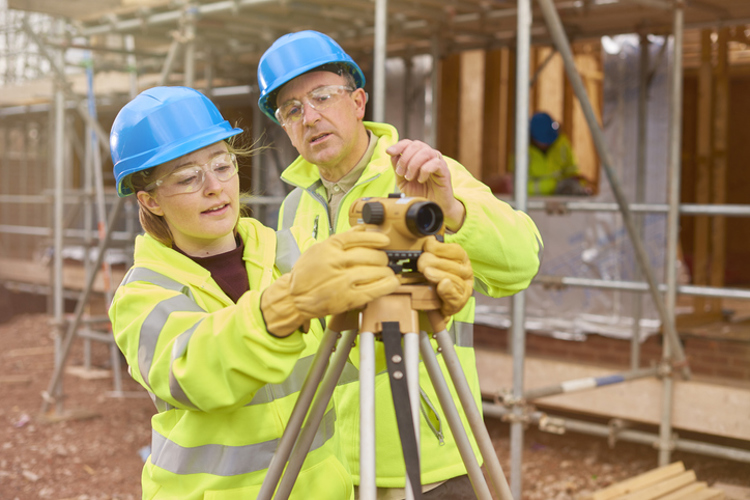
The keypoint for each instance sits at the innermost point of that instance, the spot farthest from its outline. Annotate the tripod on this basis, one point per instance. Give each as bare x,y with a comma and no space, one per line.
403,310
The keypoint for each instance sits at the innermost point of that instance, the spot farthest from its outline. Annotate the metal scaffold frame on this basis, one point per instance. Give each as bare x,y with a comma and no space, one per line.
514,407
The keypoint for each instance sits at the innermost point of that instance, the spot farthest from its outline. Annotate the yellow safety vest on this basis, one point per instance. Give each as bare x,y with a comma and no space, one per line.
505,249
224,388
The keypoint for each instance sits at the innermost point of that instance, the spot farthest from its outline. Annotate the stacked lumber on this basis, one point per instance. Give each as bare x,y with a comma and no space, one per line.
671,482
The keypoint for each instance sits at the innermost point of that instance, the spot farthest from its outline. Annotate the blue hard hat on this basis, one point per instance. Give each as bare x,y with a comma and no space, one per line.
159,125
543,128
294,54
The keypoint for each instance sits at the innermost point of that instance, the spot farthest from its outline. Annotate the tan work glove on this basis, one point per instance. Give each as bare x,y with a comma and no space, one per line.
448,266
336,275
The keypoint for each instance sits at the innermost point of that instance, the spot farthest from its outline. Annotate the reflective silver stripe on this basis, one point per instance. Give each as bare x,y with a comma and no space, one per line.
462,333
178,349
481,287
429,409
154,322
160,404
349,375
291,203
153,325
149,276
287,250
540,254
291,385
224,460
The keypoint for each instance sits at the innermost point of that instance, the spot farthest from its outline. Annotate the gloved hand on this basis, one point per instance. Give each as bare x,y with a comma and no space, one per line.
342,273
448,266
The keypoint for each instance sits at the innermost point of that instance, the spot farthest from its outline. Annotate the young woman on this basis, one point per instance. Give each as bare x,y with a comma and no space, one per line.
207,322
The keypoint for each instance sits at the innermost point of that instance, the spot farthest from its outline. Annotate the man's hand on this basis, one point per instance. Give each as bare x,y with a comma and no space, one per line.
422,171
448,267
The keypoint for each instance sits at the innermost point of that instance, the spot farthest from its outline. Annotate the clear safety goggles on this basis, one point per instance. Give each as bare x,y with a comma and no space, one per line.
191,178
319,99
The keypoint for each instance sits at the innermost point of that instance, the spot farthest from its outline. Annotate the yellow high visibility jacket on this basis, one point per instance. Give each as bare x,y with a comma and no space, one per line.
547,169
505,248
223,386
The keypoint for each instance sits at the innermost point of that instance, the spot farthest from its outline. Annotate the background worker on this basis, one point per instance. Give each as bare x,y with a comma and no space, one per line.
314,90
553,166
206,321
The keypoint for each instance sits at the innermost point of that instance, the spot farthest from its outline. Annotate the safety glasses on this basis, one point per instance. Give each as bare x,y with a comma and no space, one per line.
319,99
190,178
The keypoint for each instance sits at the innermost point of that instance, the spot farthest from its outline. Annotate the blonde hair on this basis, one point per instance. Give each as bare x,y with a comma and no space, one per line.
156,225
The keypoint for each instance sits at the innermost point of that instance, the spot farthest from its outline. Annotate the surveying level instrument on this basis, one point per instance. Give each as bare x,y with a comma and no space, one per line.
391,319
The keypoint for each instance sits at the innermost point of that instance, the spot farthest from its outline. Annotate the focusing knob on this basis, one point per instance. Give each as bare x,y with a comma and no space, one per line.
373,213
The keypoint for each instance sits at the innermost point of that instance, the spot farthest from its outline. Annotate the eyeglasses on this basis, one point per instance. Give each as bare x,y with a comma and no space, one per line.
191,178
319,99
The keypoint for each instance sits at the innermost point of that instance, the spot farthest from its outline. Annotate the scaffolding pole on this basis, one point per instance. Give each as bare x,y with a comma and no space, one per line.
518,332
640,189
380,52
615,432
557,33
673,226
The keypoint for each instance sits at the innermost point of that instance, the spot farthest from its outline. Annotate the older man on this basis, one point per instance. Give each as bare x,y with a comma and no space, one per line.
314,90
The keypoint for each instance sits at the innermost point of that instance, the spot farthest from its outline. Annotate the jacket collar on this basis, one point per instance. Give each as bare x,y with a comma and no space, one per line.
304,174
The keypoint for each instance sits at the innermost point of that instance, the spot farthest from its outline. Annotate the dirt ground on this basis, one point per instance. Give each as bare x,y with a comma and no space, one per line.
99,457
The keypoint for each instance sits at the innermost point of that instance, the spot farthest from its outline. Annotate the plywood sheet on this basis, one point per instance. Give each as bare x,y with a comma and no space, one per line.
698,406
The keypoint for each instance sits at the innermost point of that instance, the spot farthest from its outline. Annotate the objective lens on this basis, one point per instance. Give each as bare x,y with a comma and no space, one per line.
424,218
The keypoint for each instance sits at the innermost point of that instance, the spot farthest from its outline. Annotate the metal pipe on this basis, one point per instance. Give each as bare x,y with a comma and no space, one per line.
588,383
166,69
520,195
189,43
299,412
673,226
380,49
558,35
633,286
57,222
473,415
56,380
367,471
411,367
640,189
316,413
463,444
172,16
132,65
555,205
634,436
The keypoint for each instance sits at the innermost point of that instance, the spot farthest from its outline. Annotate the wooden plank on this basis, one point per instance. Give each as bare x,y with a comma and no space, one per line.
709,494
733,492
719,170
695,401
638,482
662,488
15,379
74,275
687,490
29,351
703,162
448,109
492,149
471,108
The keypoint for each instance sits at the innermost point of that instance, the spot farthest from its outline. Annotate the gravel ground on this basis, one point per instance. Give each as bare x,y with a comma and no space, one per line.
97,455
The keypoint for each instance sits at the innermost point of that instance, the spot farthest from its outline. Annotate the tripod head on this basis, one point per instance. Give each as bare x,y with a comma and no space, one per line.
407,221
